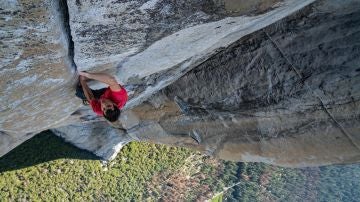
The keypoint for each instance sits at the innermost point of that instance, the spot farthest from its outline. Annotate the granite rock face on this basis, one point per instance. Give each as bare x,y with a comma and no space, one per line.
280,85
107,32
140,41
286,95
35,70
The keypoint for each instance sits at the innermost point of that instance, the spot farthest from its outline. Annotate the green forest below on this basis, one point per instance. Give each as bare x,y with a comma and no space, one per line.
45,168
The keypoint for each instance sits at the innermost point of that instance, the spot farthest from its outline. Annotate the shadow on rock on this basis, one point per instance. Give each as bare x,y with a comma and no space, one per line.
41,148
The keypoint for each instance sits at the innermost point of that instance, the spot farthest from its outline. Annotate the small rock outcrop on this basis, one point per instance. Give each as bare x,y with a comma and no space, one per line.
260,81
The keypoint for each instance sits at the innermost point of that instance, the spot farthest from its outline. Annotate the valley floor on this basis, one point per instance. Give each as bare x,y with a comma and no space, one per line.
45,168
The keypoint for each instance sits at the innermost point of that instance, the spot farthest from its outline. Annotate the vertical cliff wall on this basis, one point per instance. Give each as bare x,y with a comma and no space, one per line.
36,70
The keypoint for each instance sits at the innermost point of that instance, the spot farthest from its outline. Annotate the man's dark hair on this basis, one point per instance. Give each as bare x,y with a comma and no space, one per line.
112,115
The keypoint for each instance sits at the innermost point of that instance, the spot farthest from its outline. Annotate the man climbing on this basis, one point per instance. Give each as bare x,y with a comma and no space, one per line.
105,102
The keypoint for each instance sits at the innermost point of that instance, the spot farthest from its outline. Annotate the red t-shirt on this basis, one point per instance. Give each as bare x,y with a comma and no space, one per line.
118,97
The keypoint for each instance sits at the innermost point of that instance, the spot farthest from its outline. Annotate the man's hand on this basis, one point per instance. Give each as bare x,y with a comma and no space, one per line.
84,74
82,78
104,78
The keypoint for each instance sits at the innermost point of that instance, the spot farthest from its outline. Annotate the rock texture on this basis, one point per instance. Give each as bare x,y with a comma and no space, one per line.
157,38
35,70
100,138
289,90
105,33
270,97
279,85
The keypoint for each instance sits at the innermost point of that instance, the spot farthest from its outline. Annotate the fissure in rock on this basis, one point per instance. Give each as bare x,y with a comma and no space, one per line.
66,25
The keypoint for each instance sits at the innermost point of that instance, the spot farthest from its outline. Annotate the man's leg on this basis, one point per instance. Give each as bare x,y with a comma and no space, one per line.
80,93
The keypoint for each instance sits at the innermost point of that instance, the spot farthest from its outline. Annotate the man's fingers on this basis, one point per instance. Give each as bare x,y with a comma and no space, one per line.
82,78
83,74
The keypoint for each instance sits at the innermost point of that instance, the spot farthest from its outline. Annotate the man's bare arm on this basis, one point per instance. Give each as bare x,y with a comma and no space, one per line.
104,78
87,91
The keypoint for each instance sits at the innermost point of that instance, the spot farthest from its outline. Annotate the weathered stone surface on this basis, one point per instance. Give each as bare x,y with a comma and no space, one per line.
35,69
286,95
106,32
150,45
128,120
100,138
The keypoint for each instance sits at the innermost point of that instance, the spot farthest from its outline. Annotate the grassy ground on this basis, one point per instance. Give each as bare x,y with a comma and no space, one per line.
47,169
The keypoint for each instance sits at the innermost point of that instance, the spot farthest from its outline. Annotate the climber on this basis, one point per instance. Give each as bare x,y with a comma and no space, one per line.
105,102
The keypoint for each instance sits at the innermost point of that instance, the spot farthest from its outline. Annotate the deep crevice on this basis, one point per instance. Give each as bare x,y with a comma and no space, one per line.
66,24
